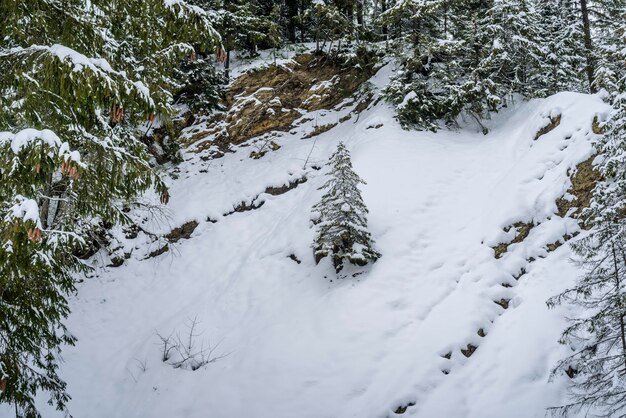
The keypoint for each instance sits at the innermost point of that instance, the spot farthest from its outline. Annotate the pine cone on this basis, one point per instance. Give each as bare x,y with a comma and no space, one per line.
34,234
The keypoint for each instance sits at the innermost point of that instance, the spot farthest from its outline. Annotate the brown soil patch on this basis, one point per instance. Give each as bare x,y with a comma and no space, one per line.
523,229
277,191
584,181
554,122
596,126
160,251
245,207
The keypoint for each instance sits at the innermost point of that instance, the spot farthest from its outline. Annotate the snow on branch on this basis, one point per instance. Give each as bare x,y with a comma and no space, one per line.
24,209
32,137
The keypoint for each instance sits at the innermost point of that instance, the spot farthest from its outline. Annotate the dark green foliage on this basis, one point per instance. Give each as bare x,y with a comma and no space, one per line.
447,62
598,340
561,63
328,25
242,26
74,86
608,18
201,85
469,59
598,335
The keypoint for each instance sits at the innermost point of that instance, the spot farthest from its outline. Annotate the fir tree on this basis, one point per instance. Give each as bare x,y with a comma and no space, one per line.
201,85
560,50
470,58
418,23
342,216
610,40
514,53
241,26
598,338
598,364
419,89
328,24
457,72
75,82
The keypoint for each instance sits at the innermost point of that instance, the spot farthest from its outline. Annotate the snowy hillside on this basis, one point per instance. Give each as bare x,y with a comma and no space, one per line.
438,327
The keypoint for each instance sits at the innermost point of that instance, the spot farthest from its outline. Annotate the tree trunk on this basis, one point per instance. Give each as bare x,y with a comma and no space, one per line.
317,41
383,9
445,17
415,25
302,27
621,312
292,12
589,69
350,12
45,203
227,64
359,13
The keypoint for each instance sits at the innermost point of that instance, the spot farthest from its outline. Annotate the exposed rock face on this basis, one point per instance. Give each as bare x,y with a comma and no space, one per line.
182,232
273,98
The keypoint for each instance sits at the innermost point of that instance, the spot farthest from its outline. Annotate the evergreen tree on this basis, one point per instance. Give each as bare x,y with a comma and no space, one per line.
469,58
417,23
241,26
514,56
609,17
608,205
342,216
598,364
419,90
459,71
200,85
598,338
561,48
76,79
328,25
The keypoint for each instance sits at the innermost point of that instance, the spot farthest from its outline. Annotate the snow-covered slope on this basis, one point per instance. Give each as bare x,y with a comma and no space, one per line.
297,342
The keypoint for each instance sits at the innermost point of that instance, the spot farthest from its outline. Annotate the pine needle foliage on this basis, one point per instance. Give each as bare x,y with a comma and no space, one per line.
598,339
598,335
341,216
77,77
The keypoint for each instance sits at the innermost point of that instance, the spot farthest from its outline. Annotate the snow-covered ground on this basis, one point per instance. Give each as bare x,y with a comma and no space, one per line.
295,341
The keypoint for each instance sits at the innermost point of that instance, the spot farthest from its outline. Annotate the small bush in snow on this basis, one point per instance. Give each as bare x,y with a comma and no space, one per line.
187,352
341,216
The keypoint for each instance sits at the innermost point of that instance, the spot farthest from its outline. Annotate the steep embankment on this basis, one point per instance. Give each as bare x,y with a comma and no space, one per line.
442,325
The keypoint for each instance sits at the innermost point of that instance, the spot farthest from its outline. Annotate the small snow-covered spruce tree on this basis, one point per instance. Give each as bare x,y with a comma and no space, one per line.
342,216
